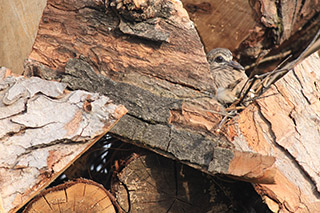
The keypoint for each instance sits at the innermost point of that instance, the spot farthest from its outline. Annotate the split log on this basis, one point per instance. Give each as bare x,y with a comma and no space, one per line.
286,125
155,65
43,129
74,196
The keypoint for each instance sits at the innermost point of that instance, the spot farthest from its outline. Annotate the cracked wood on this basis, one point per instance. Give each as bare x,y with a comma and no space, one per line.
286,125
79,195
43,129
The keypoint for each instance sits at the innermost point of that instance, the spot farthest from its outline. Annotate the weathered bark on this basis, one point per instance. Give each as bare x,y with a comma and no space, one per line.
157,68
286,125
161,83
43,129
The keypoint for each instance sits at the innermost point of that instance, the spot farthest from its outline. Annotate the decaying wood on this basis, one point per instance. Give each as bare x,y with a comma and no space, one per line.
43,129
161,75
75,196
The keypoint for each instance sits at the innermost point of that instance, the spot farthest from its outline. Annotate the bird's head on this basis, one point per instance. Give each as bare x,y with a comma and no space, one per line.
222,57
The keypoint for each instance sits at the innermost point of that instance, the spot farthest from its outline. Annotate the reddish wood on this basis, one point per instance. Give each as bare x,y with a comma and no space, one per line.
286,125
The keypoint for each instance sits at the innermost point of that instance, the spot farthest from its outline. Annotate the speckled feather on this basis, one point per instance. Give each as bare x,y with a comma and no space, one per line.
229,76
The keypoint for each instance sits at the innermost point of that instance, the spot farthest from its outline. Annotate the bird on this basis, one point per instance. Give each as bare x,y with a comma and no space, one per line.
228,76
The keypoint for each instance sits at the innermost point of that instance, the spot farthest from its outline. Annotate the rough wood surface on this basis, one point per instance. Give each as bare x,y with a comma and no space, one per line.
161,83
74,196
155,184
286,125
218,21
43,129
163,79
152,183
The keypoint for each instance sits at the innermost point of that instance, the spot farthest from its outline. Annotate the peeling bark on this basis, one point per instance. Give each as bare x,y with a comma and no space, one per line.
286,125
44,128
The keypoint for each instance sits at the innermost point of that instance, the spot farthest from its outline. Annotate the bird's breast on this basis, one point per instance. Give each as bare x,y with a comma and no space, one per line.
224,77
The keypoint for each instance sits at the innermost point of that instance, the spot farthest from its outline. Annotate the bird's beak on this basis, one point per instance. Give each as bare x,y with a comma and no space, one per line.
236,65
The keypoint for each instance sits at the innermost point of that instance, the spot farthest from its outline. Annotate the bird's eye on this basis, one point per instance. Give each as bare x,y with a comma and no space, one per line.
219,59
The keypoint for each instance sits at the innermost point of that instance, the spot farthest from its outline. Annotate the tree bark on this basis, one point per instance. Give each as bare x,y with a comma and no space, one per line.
163,84
155,65
286,125
43,130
